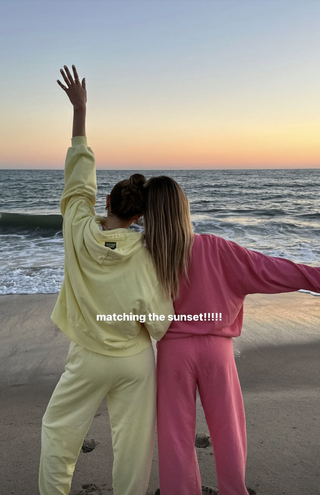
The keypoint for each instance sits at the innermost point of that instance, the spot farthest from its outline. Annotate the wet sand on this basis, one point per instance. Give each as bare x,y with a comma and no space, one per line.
278,362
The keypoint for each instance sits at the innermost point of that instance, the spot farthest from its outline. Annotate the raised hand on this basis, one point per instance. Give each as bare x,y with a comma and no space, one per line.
75,90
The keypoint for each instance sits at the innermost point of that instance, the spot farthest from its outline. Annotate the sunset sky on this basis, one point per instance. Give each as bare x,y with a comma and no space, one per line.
171,84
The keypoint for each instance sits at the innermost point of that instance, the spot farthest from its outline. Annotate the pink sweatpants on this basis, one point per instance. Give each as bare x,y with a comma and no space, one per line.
206,362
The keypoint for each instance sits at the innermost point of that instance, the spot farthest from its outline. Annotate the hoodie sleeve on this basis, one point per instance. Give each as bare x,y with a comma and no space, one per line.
80,179
159,309
270,275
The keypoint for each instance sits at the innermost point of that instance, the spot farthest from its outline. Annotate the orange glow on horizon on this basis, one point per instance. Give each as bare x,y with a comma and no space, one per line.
266,146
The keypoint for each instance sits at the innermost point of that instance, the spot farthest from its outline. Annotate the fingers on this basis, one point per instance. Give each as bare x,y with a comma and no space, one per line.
70,78
61,85
66,80
75,90
75,73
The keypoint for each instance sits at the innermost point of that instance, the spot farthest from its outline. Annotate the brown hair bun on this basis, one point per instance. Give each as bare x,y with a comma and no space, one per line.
127,197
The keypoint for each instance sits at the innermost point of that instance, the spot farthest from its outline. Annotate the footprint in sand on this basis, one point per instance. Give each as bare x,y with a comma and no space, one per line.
90,489
89,445
211,491
206,490
202,440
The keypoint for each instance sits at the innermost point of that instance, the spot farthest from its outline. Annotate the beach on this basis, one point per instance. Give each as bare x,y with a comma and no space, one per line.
277,357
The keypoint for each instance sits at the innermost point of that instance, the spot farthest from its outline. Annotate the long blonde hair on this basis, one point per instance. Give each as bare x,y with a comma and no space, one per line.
168,231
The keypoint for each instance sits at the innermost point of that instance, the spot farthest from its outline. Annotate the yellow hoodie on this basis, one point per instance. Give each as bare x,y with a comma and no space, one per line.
108,274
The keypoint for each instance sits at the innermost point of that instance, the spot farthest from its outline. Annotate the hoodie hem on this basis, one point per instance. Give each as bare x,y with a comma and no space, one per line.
80,336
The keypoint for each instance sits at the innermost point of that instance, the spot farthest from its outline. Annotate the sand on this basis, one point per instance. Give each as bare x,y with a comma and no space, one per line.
278,362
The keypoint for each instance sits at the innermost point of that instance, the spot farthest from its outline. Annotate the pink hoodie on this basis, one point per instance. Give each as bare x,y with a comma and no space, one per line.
221,274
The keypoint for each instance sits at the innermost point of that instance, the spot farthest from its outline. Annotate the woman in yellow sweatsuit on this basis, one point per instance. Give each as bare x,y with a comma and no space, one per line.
109,304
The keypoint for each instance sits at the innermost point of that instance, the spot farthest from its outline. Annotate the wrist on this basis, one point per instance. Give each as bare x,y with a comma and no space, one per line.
80,109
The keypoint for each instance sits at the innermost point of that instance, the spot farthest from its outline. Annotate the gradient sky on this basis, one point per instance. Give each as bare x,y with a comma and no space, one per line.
171,84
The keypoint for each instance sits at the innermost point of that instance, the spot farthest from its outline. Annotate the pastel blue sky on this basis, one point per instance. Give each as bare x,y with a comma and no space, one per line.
171,84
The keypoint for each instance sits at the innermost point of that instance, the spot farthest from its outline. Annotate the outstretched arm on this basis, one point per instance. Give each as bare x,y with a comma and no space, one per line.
77,94
270,275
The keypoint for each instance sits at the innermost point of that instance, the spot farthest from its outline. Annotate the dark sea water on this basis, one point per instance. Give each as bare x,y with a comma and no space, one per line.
276,212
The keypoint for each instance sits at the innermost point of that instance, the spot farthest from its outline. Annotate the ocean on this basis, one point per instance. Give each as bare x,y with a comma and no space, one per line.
276,212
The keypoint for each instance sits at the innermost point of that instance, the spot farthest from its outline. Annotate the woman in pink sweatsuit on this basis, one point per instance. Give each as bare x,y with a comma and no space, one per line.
199,353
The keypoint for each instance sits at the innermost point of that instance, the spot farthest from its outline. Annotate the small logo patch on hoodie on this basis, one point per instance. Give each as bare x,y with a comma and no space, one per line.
111,245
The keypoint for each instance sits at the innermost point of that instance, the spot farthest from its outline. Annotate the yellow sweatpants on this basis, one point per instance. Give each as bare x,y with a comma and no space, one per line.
129,384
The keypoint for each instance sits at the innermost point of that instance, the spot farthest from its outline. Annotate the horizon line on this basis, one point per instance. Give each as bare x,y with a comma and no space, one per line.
173,169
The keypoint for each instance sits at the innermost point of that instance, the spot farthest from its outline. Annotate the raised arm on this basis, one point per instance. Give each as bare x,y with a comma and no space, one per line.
77,94
80,174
